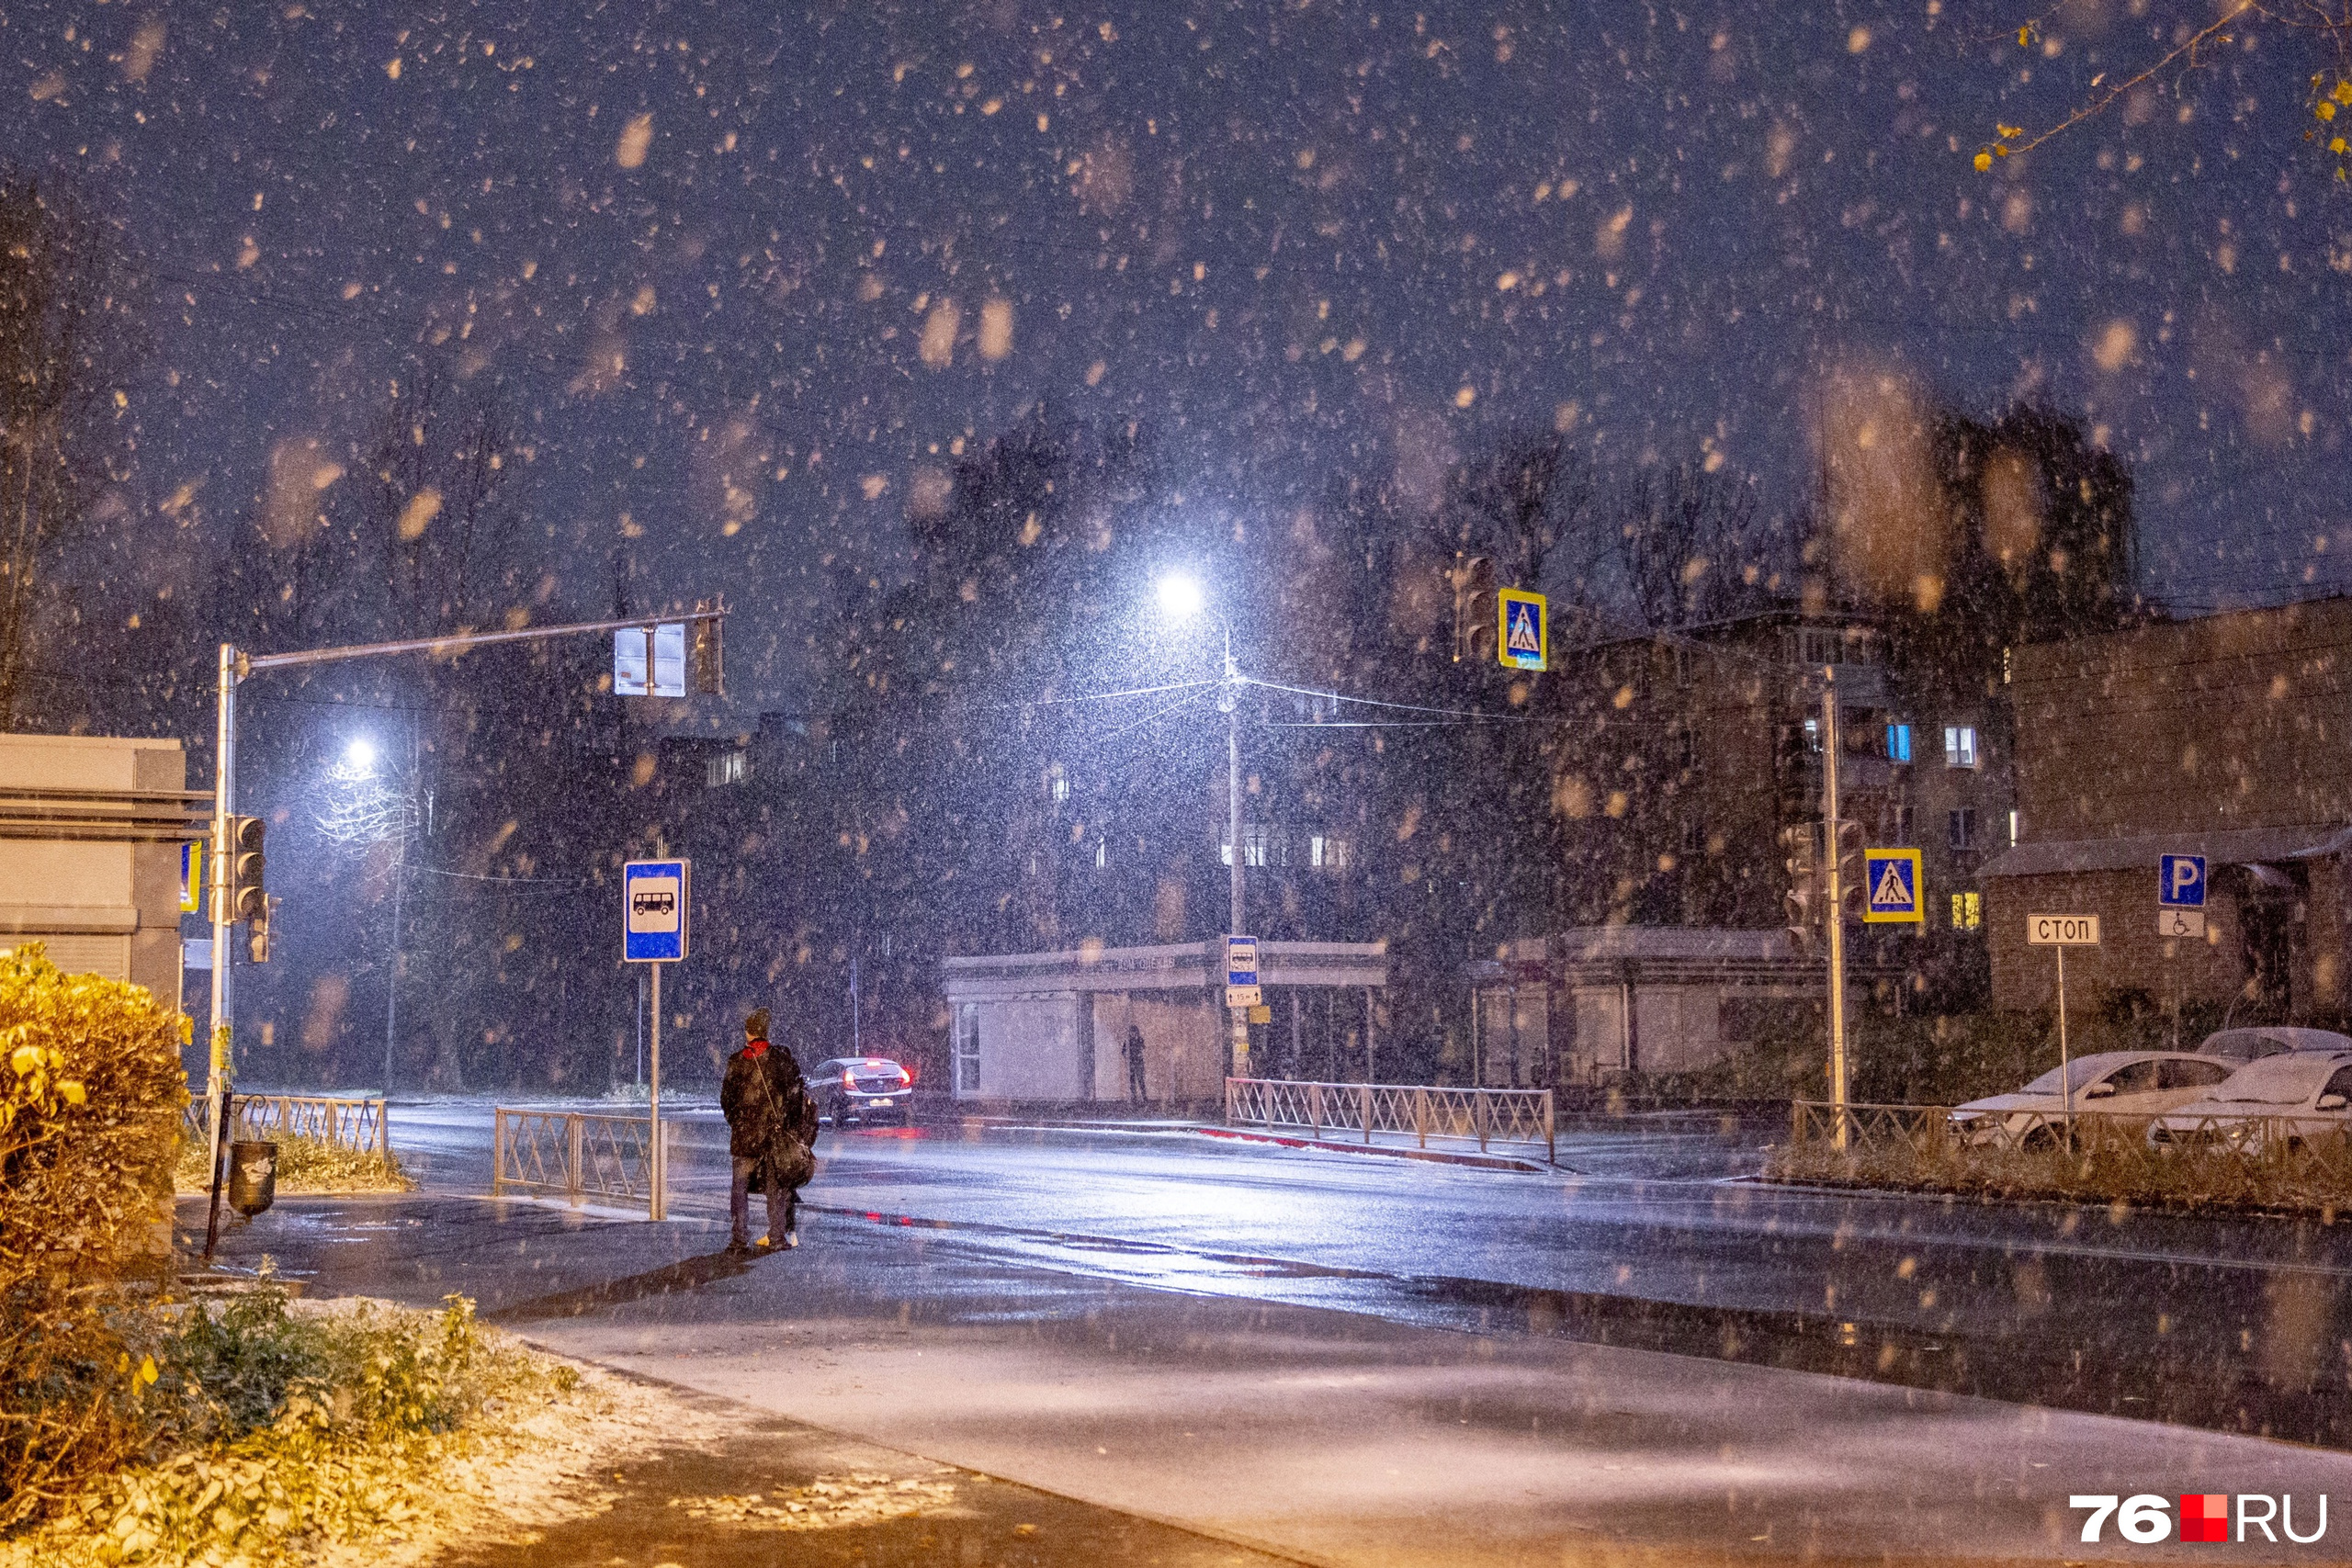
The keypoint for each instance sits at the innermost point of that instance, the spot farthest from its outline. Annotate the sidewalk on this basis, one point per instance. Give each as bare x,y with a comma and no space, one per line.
1313,1433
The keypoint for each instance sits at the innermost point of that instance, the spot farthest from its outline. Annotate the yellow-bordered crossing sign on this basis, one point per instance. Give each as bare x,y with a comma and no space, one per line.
1522,630
1891,888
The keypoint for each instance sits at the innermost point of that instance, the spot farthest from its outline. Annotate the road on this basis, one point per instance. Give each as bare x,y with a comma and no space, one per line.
1659,1240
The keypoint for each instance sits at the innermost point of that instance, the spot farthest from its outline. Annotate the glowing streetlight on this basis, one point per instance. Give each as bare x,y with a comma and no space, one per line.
1181,598
359,757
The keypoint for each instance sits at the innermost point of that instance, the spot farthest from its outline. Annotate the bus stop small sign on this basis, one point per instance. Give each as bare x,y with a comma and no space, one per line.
2061,930
653,910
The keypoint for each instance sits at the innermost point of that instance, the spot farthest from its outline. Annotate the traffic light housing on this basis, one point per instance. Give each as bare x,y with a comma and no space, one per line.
1476,612
244,868
709,654
1853,878
1803,902
257,933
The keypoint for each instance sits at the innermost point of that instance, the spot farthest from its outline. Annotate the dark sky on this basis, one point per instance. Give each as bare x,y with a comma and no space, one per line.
709,251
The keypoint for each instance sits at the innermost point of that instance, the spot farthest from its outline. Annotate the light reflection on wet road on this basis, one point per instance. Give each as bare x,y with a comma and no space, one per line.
2226,1320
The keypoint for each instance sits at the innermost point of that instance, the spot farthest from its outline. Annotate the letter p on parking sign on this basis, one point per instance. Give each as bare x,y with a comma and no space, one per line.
2180,882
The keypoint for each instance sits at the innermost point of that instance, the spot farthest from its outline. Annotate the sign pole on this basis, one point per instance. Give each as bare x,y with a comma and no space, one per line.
2066,1073
657,1205
1833,892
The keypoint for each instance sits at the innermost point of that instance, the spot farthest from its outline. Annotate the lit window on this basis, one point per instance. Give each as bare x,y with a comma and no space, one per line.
2012,830
1967,911
1963,827
1960,745
1812,735
1254,841
1898,743
1058,782
1314,849
726,768
1102,854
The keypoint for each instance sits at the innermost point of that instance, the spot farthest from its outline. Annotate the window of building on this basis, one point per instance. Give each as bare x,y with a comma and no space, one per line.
968,1048
1962,835
2012,830
726,768
1253,848
1960,745
1967,911
1898,743
1899,824
1820,645
1330,854
1812,735
1102,854
1684,743
1058,783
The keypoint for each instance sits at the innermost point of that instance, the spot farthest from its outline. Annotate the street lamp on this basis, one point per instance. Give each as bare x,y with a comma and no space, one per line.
363,810
1181,598
359,757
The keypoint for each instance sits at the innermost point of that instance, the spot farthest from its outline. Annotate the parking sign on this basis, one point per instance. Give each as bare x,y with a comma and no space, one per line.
2180,882
653,910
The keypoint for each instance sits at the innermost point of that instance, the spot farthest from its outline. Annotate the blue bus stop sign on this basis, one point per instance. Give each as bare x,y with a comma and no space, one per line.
653,910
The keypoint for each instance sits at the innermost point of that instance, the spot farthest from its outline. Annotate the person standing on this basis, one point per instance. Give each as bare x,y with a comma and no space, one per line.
771,1131
1135,1091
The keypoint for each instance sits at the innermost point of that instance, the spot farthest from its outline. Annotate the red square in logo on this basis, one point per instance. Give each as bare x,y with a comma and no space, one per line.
2205,1515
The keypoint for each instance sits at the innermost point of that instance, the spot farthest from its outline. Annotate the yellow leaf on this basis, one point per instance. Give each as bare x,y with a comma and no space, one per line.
2339,146
1999,151
2326,111
25,1058
2024,35
2343,93
1984,161
2009,131
147,1373
75,1094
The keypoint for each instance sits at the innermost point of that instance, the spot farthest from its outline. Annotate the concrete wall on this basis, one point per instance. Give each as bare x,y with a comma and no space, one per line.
1030,1048
110,910
2130,955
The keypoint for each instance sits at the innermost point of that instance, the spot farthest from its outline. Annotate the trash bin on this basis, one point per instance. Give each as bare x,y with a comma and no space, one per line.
253,1177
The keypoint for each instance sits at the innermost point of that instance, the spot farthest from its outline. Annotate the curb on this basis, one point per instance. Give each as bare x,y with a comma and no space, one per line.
1434,1156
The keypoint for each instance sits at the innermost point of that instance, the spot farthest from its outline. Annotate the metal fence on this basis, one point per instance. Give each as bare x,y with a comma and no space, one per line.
577,1154
1415,1110
2104,1154
361,1125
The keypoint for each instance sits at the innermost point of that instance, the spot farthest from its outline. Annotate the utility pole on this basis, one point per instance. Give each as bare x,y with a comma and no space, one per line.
1229,698
1832,896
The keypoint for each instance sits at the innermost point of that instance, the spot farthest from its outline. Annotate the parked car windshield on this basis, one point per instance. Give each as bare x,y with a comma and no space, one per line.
2250,1044
2080,1071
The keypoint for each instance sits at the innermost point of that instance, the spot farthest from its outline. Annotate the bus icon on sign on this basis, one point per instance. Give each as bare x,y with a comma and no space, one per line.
647,904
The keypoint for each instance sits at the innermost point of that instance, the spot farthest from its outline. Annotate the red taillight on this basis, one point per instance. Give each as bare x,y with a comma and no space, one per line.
905,1076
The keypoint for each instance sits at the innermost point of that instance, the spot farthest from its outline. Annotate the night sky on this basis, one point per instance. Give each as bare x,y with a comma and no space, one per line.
748,274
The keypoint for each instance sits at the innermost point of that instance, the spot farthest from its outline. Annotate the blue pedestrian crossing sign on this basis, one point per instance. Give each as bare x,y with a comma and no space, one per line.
1522,630
653,910
2180,882
1891,888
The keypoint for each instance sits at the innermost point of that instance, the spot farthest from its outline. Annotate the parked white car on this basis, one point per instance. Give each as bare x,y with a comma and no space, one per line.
2270,1040
2147,1083
2299,1095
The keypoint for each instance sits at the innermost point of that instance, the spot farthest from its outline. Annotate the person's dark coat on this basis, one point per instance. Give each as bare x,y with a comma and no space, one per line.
764,1101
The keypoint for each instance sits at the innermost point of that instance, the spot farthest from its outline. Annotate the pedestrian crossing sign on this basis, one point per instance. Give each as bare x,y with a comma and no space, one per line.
1891,888
1523,634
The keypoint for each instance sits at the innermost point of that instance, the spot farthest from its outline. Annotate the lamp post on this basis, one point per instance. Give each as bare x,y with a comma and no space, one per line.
1181,598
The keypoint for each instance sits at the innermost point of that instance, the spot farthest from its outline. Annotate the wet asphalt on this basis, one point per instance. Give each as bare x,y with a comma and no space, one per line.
1654,1236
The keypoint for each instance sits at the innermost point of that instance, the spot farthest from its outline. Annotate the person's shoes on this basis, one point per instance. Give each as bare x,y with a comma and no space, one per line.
739,1250
791,1239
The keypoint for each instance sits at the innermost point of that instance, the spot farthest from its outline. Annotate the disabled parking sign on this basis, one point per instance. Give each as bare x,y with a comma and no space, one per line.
2180,882
1891,888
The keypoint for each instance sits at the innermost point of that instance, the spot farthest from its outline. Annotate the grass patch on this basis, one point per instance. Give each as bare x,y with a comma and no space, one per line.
308,1165
279,1428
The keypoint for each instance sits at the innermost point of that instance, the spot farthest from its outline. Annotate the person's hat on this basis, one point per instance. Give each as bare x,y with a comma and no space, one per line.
756,1026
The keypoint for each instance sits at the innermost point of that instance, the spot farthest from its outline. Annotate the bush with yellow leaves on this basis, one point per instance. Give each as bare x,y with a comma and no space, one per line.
91,1092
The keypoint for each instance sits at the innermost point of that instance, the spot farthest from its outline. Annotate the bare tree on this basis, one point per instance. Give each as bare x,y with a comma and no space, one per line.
1517,501
1690,546
66,337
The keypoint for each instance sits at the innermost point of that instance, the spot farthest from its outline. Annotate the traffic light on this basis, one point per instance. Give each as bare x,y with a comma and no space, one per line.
257,933
1853,892
1801,903
244,868
1475,610
710,655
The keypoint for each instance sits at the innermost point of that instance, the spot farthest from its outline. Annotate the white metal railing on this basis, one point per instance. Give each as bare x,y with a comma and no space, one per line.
1420,1111
579,1155
361,1125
